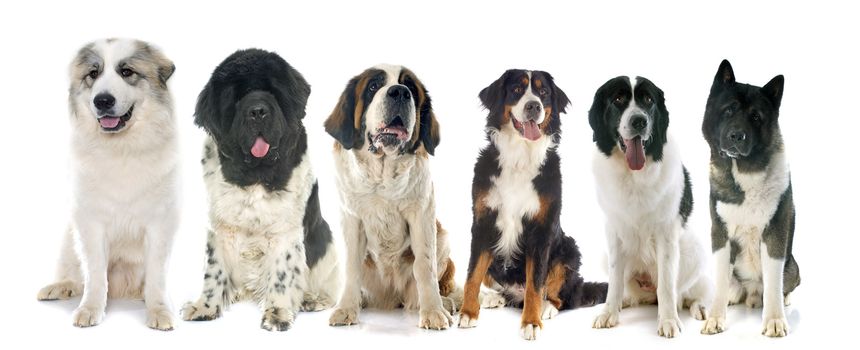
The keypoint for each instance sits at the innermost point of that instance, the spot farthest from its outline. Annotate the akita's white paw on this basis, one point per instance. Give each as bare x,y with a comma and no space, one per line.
548,311
669,327
530,331
714,325
60,291
159,318
88,316
606,319
343,317
775,327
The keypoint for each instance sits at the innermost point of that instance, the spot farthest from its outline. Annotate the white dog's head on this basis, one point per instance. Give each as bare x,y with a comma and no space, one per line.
119,82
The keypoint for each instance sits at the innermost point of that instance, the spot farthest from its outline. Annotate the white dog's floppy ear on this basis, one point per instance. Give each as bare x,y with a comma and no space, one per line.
164,66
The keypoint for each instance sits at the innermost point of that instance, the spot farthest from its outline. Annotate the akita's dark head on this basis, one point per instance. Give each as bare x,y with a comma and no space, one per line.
741,120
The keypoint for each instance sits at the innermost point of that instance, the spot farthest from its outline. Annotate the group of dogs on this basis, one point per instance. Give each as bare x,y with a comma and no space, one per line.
268,241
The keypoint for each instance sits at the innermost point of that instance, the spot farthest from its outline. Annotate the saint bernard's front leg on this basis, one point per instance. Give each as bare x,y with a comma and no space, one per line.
287,272
355,240
422,229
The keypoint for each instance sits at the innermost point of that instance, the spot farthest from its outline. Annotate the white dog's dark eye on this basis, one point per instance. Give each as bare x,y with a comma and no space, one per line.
93,74
126,72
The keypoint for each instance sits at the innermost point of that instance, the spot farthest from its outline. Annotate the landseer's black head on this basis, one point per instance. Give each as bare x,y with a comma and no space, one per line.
526,101
252,107
741,120
630,113
388,107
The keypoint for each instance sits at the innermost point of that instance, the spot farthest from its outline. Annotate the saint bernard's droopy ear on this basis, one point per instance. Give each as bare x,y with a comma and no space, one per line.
426,127
346,122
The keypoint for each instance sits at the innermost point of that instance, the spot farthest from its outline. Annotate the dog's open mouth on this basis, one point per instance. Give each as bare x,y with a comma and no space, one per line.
111,123
391,134
528,129
634,152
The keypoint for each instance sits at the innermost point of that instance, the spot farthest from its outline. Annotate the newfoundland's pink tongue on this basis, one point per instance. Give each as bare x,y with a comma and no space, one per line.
531,130
109,122
635,154
260,147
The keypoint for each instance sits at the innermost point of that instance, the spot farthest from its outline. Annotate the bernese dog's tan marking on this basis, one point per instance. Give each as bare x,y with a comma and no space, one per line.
471,307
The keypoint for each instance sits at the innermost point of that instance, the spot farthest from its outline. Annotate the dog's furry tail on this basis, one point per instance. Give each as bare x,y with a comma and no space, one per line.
589,294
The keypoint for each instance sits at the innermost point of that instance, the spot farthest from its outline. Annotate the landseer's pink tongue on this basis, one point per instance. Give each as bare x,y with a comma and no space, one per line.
260,147
109,122
531,130
635,154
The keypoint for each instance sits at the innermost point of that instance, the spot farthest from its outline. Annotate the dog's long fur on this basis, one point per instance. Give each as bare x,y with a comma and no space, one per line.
653,256
397,253
126,182
268,241
518,246
752,209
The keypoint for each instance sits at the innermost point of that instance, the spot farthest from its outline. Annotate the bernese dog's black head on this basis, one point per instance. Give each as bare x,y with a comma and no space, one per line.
252,107
630,113
526,101
389,108
741,120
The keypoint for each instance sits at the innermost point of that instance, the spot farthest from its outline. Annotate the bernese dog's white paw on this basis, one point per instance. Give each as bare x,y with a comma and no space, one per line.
775,327
467,321
669,327
530,331
549,311
434,318
606,319
343,317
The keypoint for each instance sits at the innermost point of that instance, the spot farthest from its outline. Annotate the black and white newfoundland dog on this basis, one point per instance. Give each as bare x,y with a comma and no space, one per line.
518,246
267,241
645,192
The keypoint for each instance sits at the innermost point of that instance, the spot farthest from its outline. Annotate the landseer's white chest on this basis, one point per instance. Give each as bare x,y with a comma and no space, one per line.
513,194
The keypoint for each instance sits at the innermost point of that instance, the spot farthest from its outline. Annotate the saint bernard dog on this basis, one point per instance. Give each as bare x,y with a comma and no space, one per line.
518,246
267,241
752,207
397,253
645,192
126,178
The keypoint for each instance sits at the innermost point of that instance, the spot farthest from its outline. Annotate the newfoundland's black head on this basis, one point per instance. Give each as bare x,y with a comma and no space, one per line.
252,107
526,101
630,113
741,120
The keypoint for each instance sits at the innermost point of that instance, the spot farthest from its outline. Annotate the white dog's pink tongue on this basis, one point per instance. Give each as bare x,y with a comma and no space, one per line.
109,122
635,154
260,147
531,130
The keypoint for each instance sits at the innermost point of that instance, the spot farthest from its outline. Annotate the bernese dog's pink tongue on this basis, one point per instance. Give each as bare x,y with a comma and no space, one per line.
635,154
260,147
531,130
109,122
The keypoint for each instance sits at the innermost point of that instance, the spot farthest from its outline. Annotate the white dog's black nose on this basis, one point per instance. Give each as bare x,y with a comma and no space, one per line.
399,93
639,122
104,101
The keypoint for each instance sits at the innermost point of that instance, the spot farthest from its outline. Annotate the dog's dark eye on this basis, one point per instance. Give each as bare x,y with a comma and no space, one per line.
125,72
518,90
373,86
646,100
755,117
619,99
728,112
93,74
543,91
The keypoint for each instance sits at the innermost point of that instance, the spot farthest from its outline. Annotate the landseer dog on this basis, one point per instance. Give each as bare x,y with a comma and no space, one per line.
397,253
125,159
752,210
267,241
518,246
646,194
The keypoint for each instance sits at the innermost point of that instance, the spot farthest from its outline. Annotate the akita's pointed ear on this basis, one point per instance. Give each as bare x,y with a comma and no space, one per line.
773,90
725,74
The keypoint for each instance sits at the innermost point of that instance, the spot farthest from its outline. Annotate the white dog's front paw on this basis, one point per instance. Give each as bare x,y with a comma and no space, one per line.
159,318
88,316
775,327
530,331
698,311
434,318
492,300
200,311
669,327
606,319
549,311
714,324
60,291
343,317
277,319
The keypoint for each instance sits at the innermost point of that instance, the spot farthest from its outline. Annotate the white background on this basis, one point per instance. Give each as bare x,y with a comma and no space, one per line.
456,49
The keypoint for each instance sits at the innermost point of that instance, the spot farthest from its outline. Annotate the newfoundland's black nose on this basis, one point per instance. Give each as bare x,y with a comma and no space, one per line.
639,122
104,101
258,112
399,93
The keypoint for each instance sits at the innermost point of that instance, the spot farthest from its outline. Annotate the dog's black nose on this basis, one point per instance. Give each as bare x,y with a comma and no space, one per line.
104,101
259,112
639,122
399,93
532,109
737,135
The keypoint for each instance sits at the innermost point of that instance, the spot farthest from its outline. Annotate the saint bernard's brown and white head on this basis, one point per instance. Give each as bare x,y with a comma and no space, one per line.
385,110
